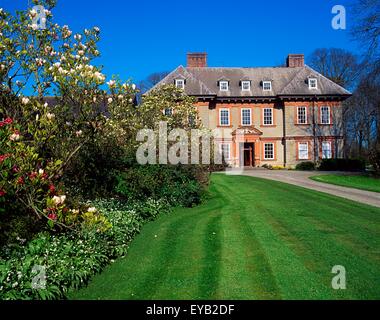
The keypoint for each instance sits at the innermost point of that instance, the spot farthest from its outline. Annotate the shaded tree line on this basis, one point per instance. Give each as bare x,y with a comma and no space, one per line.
361,75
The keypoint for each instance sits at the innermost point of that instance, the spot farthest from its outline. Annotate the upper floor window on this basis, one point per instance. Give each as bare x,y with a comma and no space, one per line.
246,117
269,151
325,115
326,150
246,85
301,115
224,117
313,84
180,83
223,85
267,85
168,112
303,150
268,116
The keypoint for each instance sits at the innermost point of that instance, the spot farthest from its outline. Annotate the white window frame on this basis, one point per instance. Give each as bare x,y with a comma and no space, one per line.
273,150
221,85
250,117
270,85
306,157
329,155
329,115
298,118
220,117
246,82
272,114
178,82
221,150
311,80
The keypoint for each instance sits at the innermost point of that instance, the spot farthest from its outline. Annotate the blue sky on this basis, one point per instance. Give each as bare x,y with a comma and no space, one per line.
141,37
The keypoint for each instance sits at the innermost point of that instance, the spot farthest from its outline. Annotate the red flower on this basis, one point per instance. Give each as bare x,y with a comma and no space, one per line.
3,157
2,124
52,216
51,189
44,176
2,193
20,180
15,169
32,175
8,121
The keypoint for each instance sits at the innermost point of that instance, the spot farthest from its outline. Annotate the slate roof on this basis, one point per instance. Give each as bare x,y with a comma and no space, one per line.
203,81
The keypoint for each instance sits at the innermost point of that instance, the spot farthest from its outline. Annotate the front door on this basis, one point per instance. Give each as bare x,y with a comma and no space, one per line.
249,154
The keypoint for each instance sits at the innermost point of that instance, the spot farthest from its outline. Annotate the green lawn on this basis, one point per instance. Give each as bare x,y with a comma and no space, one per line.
253,239
350,181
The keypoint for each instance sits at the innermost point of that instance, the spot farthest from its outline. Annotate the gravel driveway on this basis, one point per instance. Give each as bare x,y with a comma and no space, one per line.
301,178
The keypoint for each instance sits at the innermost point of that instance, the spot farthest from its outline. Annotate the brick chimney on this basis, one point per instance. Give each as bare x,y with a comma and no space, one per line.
295,60
197,59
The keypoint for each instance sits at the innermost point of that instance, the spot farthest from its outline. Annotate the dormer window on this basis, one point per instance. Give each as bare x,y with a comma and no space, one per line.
223,85
180,83
313,83
246,85
267,85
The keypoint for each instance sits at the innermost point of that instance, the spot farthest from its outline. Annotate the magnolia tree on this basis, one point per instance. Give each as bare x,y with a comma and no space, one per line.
39,137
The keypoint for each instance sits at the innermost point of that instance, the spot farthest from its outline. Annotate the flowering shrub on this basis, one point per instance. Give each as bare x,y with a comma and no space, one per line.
31,180
71,259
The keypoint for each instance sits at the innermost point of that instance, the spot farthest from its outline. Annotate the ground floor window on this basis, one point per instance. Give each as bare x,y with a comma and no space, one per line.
225,151
303,150
268,151
326,150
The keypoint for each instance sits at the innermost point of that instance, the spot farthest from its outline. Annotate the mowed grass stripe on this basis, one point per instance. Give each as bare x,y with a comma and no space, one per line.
253,239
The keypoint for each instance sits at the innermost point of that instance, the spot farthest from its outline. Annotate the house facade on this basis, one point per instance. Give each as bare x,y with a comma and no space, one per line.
272,115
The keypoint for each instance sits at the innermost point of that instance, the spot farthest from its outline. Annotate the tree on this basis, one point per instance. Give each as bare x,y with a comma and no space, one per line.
338,65
152,80
366,26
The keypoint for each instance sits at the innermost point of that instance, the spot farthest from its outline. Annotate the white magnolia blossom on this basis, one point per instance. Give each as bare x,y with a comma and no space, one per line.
133,86
32,13
111,83
59,199
77,37
81,52
109,100
50,116
46,105
78,133
40,171
91,209
25,100
97,29
14,137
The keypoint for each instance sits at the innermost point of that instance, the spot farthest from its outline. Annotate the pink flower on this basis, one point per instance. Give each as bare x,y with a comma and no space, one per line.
3,157
15,136
8,121
52,216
